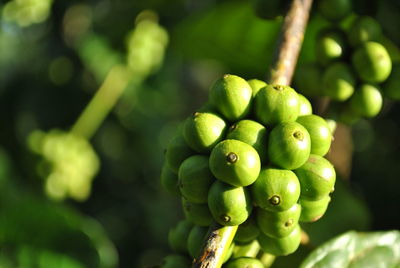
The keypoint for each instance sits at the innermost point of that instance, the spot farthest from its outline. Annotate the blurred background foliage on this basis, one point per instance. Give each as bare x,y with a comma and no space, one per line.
92,91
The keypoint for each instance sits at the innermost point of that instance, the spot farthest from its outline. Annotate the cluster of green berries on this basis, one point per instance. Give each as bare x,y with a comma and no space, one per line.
68,163
253,156
353,68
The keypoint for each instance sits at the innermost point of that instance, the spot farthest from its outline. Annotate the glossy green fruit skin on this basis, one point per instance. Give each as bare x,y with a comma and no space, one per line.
176,152
235,162
276,189
256,85
229,205
338,81
317,178
335,10
289,145
252,133
250,249
276,104
364,29
320,134
372,62
202,131
312,211
366,101
198,214
305,107
169,180
281,246
244,262
195,240
178,236
247,231
195,179
330,46
391,87
278,224
307,79
176,261
232,97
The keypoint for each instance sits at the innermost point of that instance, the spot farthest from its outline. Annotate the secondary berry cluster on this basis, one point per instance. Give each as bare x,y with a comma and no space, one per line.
252,156
353,66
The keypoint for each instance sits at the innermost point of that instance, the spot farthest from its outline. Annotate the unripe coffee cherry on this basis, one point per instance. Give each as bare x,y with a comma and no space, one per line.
289,145
317,178
276,189
338,81
278,224
281,246
319,131
366,101
202,131
229,205
275,104
232,96
235,162
372,62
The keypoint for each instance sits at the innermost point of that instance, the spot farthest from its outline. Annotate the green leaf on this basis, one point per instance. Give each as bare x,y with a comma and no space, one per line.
355,249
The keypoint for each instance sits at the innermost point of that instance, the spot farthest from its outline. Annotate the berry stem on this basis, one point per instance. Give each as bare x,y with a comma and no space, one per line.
102,102
216,246
219,238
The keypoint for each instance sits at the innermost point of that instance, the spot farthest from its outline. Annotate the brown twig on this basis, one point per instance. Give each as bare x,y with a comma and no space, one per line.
219,238
289,42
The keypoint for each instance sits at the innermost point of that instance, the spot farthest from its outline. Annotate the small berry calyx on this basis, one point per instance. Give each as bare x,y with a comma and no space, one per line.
232,158
275,200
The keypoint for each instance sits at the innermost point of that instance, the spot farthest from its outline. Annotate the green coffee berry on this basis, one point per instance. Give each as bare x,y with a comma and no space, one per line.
244,262
178,236
319,131
256,85
372,62
305,107
195,240
338,81
202,131
364,29
307,79
252,133
317,178
391,88
229,205
235,163
275,104
281,246
278,224
195,179
169,180
366,101
313,210
176,261
176,152
247,231
232,96
330,46
289,145
198,214
334,10
276,189
250,249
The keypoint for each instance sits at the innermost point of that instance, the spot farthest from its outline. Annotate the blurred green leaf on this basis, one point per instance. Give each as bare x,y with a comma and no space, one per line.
26,221
353,249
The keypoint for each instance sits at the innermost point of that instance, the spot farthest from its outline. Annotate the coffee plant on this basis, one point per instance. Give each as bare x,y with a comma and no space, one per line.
215,133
